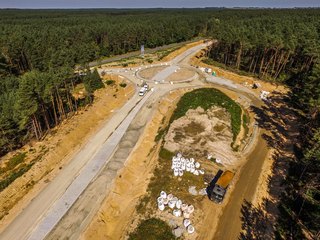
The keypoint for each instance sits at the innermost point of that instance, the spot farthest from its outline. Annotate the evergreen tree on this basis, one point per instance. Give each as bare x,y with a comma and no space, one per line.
92,81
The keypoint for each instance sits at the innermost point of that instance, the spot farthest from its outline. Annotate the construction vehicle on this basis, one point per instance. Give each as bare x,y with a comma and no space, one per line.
220,187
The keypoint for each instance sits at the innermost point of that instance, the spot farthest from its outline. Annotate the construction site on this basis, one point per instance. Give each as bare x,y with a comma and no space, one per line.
166,155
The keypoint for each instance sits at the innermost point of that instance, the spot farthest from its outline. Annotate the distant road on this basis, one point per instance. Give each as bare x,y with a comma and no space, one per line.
51,204
137,53
42,214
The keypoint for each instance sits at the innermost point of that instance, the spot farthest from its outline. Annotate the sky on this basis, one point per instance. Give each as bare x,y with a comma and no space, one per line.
156,3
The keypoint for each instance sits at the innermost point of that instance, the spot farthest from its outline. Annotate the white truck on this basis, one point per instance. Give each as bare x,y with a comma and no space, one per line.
143,89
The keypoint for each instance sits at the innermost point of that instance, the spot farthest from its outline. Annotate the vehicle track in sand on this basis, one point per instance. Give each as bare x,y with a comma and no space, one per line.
81,213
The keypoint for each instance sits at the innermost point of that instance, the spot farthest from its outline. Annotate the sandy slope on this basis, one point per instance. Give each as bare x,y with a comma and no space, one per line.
69,138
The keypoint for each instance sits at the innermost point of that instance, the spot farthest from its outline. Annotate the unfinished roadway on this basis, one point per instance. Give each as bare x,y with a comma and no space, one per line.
67,205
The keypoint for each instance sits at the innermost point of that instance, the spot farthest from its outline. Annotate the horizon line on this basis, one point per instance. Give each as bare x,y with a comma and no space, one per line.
137,8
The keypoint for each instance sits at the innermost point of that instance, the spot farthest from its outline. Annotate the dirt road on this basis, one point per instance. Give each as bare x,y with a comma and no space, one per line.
82,212
47,209
137,53
22,226
229,225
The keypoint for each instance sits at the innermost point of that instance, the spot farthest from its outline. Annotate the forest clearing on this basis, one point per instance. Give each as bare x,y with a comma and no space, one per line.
85,155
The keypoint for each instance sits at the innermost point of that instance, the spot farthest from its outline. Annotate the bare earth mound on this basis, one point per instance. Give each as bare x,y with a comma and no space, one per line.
200,132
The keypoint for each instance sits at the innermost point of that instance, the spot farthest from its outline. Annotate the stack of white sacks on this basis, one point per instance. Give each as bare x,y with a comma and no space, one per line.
181,164
264,95
179,208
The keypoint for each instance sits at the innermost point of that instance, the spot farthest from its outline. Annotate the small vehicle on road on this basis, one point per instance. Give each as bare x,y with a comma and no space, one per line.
220,188
142,91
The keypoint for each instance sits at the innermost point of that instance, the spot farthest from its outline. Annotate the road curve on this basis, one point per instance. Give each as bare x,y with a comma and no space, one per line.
46,210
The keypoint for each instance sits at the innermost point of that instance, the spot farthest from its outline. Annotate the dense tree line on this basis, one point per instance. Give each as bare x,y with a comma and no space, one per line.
34,102
270,44
49,39
40,49
283,46
300,202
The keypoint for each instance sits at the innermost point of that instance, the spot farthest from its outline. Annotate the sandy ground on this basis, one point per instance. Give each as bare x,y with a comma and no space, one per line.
61,144
244,80
261,195
180,75
200,132
115,217
149,73
118,208
146,60
180,50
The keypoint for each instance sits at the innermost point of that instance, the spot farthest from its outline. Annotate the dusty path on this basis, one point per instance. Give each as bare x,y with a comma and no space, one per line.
21,227
89,171
229,225
81,213
244,188
41,215
115,214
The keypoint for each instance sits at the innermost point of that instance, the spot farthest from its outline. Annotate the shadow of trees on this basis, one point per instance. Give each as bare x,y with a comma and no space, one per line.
278,122
254,222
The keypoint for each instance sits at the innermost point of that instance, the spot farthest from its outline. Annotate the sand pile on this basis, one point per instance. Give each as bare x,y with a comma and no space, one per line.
200,132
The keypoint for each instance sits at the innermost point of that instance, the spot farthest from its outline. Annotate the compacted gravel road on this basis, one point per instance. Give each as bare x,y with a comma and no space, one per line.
67,205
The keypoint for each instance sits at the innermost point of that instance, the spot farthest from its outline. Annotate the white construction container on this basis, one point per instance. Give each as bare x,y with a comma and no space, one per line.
190,208
184,206
163,194
190,229
178,204
177,212
171,204
186,222
161,206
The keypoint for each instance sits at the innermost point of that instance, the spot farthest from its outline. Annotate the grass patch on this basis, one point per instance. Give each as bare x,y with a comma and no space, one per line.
13,162
152,229
165,154
245,123
110,82
160,134
164,53
123,85
206,98
14,175
143,202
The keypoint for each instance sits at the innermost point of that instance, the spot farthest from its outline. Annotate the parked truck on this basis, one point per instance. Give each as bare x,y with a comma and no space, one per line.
220,188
